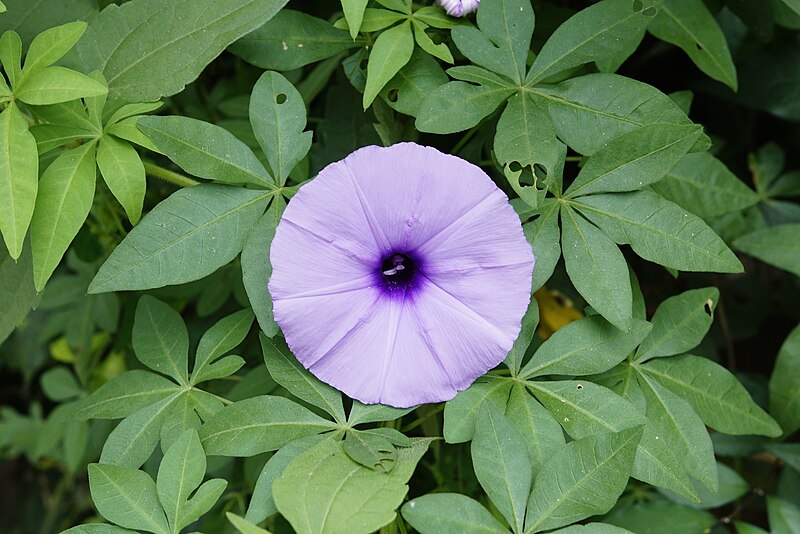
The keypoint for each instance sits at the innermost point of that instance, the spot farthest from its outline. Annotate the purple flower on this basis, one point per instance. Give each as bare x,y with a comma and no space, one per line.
459,8
400,275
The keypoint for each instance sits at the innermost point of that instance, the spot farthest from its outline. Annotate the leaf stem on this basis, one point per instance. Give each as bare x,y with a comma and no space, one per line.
169,176
424,418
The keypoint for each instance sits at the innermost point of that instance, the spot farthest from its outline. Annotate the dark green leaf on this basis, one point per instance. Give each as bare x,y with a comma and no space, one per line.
450,513
124,394
784,385
778,246
127,497
391,51
160,339
461,412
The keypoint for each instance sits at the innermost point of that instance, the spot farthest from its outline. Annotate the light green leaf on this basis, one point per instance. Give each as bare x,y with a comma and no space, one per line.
588,113
450,513
703,185
51,45
660,231
127,497
502,464
370,449
66,193
178,418
16,290
714,393
278,116
784,517
391,51
778,246
361,413
457,106
242,429
689,25
51,85
585,347
290,373
292,39
132,442
635,159
131,110
461,412
243,525
256,266
662,517
542,434
19,178
354,14
679,324
585,408
426,43
128,130
223,337
177,242
784,385
50,136
179,46
597,268
731,487
529,323
125,394
675,422
596,33
585,478
123,171
504,38
545,238
98,528
206,150
11,55
180,473
59,384
160,339
203,500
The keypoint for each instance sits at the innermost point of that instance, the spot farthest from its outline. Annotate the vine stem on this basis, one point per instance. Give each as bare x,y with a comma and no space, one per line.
169,176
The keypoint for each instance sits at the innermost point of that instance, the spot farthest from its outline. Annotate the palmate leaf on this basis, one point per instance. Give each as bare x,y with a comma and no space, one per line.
583,479
545,238
221,338
19,178
160,339
51,45
180,47
450,513
461,412
778,246
127,497
123,172
256,267
543,436
51,85
391,51
419,77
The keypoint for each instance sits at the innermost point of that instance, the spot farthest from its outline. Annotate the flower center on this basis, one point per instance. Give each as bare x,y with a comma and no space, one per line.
399,271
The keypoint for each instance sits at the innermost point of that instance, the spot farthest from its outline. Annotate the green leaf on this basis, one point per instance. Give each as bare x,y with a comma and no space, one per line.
128,130
242,430
19,178
391,51
323,490
426,43
526,137
370,449
354,14
98,528
361,413
131,110
179,46
177,242
679,324
593,528
290,40
50,136
746,528
588,113
51,45
784,385
596,33
223,337
278,116
123,171
243,525
731,487
66,193
206,150
660,231
51,85
703,185
127,497
290,373
502,464
457,106
585,347
59,384
11,55
125,394
262,504
783,516
450,513
545,238
778,246
662,517
375,19
17,291
504,38
585,478
689,25
788,452
714,393
542,434
529,323
675,422
461,412
635,159
419,77
659,464
597,268
584,408
256,266
160,339
132,442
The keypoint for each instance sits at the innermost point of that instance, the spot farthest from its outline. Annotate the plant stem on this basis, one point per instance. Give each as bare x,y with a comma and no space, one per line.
424,418
169,176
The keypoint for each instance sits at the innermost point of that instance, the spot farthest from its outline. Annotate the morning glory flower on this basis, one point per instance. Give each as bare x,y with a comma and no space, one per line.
459,8
400,275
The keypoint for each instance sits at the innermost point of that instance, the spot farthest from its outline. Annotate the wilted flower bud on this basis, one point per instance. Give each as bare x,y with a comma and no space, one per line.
459,8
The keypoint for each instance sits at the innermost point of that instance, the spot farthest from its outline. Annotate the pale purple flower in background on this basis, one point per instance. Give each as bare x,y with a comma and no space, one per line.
400,275
459,8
